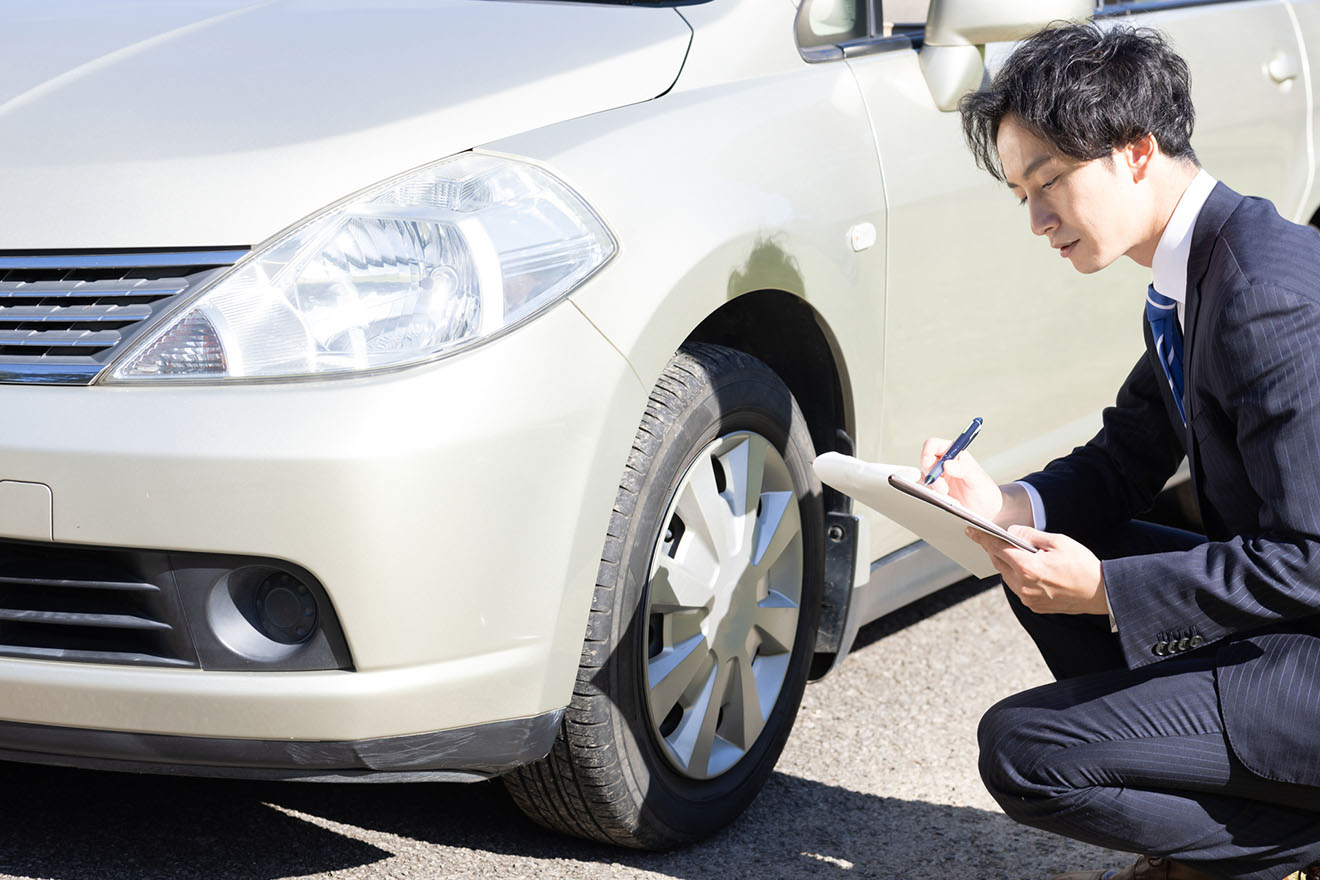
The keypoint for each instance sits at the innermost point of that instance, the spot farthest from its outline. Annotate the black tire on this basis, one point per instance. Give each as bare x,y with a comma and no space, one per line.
612,775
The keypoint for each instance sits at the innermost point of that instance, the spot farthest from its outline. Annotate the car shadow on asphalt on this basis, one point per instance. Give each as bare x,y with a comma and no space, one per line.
67,824
929,606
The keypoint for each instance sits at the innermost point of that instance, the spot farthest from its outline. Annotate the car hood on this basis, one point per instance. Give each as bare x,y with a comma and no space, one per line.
175,123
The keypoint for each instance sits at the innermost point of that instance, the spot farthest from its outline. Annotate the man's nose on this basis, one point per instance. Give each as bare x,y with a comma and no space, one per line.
1043,220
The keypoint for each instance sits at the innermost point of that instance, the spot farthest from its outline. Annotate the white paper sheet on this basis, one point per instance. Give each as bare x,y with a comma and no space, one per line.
868,482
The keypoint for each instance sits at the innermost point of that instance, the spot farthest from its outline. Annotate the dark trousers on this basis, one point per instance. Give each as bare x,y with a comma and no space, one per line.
1138,760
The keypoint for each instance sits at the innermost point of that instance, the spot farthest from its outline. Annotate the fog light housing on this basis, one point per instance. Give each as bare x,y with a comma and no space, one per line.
266,614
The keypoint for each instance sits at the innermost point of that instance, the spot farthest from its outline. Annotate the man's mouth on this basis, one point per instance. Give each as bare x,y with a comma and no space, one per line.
1066,249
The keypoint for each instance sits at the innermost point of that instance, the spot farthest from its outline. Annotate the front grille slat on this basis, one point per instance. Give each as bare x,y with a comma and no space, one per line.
63,316
65,618
104,259
88,314
58,338
100,289
85,656
128,586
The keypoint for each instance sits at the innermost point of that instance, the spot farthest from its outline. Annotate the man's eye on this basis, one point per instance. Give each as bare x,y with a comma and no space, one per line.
1022,201
1049,183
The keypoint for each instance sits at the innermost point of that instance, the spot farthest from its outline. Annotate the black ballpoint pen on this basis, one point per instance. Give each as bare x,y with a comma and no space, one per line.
955,449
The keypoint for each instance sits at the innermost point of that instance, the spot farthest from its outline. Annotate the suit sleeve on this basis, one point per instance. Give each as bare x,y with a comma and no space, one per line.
1117,475
1265,388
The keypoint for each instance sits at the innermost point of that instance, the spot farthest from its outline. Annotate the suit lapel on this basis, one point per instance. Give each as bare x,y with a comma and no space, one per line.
1205,233
1214,214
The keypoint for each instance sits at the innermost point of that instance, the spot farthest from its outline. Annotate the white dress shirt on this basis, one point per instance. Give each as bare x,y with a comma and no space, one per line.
1169,267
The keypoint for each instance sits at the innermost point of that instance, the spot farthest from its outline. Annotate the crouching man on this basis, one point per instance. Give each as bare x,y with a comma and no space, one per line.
1185,722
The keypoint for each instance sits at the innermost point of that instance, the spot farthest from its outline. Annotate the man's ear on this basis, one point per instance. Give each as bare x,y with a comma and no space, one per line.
1136,156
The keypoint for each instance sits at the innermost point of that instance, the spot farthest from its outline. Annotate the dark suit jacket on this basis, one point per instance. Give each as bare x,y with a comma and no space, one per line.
1252,370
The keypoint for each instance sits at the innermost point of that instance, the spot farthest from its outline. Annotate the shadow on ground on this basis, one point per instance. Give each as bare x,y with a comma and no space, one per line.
69,824
918,611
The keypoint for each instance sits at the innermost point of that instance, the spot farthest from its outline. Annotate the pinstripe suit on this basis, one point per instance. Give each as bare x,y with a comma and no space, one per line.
1193,732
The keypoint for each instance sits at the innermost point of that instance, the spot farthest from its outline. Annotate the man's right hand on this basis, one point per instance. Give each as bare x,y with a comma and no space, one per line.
966,482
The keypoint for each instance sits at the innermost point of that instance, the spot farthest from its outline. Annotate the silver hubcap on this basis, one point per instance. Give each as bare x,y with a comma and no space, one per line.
725,584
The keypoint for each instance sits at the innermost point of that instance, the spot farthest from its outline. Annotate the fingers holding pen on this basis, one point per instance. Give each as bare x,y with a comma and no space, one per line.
961,466
931,451
964,467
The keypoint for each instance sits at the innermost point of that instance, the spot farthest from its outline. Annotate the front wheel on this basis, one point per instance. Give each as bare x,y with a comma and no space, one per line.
704,615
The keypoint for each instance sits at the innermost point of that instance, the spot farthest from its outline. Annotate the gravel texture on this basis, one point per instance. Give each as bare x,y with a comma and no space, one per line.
878,780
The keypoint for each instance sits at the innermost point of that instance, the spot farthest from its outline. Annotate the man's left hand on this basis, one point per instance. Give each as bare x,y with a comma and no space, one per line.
1061,577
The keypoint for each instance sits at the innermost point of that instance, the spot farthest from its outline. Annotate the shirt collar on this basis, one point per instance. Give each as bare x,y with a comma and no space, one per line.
1170,263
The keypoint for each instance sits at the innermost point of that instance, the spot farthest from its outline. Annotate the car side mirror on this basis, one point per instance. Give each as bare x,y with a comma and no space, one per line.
952,57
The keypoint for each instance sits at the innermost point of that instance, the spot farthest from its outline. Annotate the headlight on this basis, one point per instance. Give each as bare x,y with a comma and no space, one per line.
418,267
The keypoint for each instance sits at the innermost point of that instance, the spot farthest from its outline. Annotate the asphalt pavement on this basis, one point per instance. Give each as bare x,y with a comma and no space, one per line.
878,780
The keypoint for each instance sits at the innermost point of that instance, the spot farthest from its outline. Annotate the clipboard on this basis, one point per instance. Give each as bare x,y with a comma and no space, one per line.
897,492
947,504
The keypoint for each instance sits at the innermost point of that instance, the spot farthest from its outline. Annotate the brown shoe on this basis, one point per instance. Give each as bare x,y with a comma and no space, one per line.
1144,868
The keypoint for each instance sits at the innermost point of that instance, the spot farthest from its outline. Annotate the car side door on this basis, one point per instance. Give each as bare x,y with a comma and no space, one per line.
1249,86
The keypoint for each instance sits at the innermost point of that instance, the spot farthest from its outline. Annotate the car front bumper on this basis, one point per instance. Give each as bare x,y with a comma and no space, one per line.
454,514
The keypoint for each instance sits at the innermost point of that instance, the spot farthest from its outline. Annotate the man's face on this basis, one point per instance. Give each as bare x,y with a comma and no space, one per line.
1088,211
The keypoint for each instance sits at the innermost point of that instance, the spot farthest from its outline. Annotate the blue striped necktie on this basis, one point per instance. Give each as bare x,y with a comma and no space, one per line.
1162,313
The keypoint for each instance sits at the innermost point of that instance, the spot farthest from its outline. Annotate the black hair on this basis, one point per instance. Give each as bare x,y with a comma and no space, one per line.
1086,92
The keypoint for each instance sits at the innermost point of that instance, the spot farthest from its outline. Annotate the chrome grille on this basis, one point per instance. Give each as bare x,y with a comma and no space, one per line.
63,316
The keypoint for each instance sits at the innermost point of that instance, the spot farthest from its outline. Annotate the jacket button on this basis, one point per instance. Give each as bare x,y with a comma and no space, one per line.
1161,649
1197,641
1183,643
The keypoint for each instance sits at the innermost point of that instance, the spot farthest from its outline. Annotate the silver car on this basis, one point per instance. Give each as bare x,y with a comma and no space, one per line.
430,388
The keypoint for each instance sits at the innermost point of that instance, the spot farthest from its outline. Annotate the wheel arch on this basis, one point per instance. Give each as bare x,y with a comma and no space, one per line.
784,331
